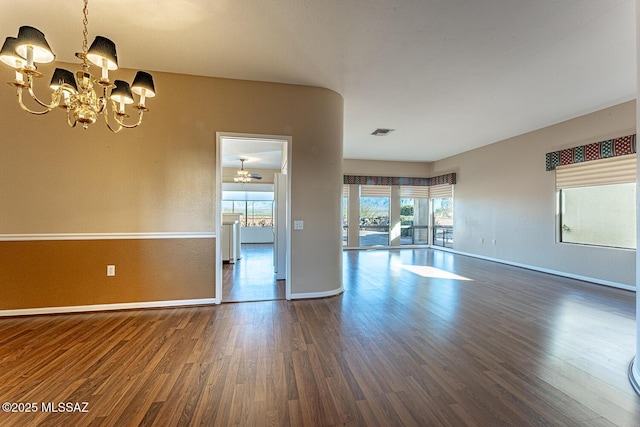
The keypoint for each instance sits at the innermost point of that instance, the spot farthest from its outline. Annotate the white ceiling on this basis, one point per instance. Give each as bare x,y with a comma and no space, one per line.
258,153
448,75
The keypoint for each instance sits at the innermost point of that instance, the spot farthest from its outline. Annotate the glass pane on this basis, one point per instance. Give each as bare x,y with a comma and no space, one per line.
407,211
240,207
421,212
250,221
443,222
374,221
604,215
262,214
227,206
414,221
345,220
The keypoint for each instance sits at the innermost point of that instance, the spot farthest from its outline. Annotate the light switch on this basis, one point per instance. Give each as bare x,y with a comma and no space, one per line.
298,225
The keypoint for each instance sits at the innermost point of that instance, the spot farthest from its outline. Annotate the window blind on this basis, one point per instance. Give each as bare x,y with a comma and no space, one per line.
375,191
442,191
345,191
414,192
613,170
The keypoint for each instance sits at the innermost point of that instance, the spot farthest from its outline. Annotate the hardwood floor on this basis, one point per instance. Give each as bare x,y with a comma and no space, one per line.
419,338
252,278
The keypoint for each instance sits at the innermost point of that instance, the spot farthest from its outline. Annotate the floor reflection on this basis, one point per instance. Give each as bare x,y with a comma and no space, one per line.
525,326
252,277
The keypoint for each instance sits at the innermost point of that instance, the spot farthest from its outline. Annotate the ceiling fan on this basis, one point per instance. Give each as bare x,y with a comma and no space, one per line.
243,175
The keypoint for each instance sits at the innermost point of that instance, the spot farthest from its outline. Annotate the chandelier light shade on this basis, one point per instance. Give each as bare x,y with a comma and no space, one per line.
122,95
83,96
102,49
33,46
143,86
62,77
8,54
122,92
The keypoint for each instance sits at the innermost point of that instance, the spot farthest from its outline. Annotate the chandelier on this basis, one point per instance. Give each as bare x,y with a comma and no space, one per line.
83,96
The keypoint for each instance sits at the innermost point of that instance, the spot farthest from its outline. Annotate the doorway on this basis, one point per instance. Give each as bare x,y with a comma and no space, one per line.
253,183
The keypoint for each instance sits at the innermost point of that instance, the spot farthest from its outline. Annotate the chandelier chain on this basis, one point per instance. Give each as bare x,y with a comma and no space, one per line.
85,33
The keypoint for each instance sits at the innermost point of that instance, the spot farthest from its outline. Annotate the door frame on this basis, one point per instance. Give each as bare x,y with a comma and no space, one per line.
287,141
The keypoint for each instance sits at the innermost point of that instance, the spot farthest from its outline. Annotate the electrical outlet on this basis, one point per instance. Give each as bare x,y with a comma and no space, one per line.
298,225
493,241
111,270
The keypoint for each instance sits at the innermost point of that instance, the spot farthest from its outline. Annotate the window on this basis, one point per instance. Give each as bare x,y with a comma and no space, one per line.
414,215
443,222
345,214
255,207
386,212
259,213
442,215
374,215
599,215
597,202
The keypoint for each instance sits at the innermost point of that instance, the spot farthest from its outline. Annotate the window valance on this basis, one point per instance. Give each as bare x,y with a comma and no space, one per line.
449,178
595,151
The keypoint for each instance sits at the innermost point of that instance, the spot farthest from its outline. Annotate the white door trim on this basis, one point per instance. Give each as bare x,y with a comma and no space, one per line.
287,140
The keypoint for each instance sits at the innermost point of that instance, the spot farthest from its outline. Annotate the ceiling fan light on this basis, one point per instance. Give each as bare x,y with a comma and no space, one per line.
103,48
143,84
63,77
29,37
242,175
8,54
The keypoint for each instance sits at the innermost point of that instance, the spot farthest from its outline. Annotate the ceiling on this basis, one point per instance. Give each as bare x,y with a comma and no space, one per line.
447,75
258,153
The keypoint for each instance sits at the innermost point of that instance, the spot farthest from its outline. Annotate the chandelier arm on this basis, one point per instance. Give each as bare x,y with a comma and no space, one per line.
114,130
55,97
48,108
69,121
131,126
105,113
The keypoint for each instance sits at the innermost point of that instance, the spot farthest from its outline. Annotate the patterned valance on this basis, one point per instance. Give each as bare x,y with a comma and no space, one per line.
449,178
597,150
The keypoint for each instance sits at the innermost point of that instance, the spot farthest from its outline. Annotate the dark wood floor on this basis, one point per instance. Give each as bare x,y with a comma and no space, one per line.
419,338
252,278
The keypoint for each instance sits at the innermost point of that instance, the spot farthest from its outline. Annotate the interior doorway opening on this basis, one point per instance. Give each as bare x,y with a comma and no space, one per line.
252,221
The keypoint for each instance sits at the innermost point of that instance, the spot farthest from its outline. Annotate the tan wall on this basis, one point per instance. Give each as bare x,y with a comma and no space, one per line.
384,168
504,193
161,177
38,274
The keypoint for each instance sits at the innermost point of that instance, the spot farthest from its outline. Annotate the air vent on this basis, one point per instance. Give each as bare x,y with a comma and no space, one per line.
382,132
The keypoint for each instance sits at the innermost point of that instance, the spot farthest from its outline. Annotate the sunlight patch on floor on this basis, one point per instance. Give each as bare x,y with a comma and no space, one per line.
433,272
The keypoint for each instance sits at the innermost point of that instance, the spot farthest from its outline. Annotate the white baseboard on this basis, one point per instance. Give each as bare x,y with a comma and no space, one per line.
107,307
634,375
386,248
543,270
325,294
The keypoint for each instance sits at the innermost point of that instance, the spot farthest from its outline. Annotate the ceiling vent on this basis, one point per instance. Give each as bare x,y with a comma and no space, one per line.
382,132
